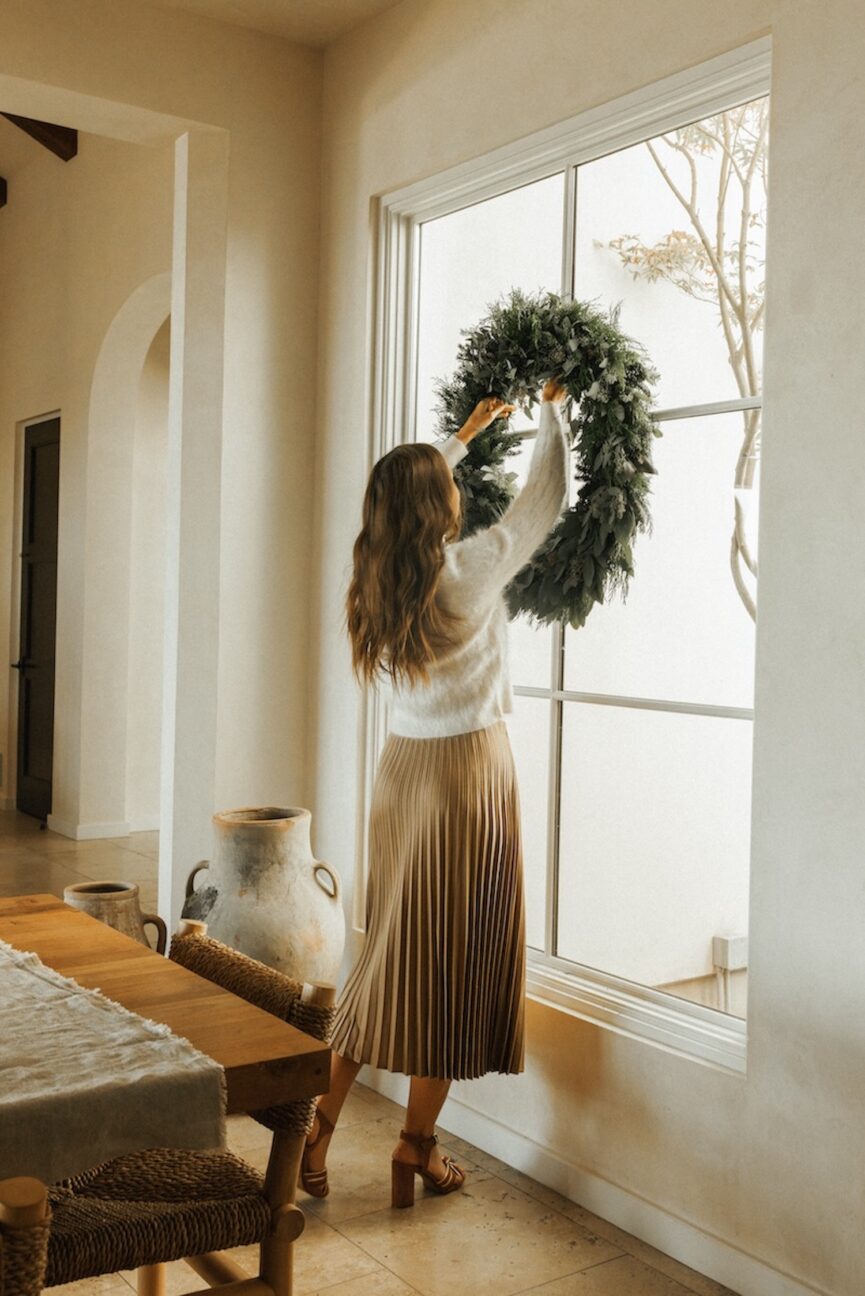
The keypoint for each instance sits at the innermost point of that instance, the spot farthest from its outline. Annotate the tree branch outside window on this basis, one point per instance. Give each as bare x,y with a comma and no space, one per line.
714,264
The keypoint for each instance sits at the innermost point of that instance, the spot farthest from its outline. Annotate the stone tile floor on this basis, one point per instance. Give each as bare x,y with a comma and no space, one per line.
503,1234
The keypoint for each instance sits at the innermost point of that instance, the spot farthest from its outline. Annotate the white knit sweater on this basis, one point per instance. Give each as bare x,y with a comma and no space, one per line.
469,687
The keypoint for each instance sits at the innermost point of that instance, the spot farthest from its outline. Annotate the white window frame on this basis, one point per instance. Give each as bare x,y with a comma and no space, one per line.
688,1029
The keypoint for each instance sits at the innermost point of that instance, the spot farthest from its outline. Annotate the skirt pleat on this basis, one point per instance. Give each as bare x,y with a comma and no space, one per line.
439,988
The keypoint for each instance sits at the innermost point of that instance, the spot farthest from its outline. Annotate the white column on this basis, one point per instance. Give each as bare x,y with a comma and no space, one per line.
193,511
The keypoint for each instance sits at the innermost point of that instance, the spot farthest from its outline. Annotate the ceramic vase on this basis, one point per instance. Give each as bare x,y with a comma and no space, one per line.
264,893
117,905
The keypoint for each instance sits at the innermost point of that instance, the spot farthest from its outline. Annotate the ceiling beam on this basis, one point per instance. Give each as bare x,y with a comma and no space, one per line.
62,140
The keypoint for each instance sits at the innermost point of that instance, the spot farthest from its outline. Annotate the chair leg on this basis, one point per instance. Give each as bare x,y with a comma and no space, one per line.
283,1168
151,1280
217,1268
277,1251
280,1187
24,1227
23,1202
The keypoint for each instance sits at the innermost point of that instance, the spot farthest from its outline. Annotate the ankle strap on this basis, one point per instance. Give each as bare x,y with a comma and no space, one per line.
425,1144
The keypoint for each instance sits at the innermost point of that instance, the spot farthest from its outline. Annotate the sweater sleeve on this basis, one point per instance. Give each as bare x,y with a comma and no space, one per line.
490,559
453,450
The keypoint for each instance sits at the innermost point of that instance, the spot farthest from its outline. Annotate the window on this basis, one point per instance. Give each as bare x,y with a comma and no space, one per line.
632,736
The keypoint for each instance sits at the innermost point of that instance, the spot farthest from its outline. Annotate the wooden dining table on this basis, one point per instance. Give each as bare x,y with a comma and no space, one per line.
266,1061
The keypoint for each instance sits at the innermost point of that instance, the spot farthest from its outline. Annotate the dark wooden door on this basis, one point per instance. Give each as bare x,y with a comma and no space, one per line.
35,663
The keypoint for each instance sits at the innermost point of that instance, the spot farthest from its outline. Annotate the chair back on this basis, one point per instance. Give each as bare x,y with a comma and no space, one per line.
263,986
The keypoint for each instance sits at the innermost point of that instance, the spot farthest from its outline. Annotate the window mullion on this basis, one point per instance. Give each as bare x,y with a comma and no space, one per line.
554,780
551,940
412,324
569,225
708,407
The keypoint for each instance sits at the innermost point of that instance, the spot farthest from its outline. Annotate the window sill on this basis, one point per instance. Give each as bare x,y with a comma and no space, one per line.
677,1025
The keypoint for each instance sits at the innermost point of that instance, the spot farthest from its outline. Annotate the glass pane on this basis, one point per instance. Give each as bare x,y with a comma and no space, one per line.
529,729
530,649
654,847
684,633
636,243
467,260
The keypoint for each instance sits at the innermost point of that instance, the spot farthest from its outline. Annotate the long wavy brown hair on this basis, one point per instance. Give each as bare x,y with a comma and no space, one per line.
394,623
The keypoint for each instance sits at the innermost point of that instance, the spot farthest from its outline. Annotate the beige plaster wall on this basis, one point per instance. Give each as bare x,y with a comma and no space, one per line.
769,1162
265,93
76,240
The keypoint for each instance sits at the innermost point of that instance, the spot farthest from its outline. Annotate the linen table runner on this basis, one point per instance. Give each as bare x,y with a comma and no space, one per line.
83,1080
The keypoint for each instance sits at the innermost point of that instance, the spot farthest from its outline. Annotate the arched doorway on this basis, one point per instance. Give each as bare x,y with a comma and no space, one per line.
124,371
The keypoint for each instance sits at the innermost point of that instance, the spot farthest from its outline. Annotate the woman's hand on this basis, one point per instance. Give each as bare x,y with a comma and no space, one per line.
484,413
553,391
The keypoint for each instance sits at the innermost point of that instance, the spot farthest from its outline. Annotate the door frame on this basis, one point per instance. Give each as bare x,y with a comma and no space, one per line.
11,772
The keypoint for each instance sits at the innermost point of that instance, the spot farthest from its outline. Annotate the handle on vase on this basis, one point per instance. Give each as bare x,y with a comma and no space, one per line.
161,930
320,866
196,869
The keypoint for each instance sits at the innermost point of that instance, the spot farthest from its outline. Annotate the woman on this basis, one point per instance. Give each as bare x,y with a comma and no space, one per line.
438,991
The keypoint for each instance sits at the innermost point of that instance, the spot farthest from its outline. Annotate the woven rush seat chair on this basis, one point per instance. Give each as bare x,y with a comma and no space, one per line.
145,1209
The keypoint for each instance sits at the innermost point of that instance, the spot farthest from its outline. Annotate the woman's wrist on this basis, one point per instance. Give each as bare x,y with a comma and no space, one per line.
468,431
554,392
484,413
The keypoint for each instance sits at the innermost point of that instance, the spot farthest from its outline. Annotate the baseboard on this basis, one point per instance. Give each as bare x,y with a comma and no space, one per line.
87,831
147,823
676,1237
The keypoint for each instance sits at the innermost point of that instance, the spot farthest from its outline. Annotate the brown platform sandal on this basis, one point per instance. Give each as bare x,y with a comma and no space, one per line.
315,1181
403,1172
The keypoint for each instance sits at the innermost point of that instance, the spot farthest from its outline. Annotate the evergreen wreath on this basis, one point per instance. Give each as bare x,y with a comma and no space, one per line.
523,341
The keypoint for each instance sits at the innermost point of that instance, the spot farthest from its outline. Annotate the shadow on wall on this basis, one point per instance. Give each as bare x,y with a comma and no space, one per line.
124,567
147,586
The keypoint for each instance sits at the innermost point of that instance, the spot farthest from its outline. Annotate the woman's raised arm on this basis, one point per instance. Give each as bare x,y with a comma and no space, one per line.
491,558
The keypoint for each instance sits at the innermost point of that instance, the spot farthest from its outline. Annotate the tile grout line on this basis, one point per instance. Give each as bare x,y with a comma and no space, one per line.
538,1197
623,1253
599,1264
362,1248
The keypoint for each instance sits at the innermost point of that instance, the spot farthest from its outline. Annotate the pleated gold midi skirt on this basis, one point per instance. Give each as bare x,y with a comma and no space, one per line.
439,989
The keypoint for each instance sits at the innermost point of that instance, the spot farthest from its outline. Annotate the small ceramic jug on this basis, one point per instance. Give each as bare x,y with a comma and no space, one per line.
266,894
116,904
